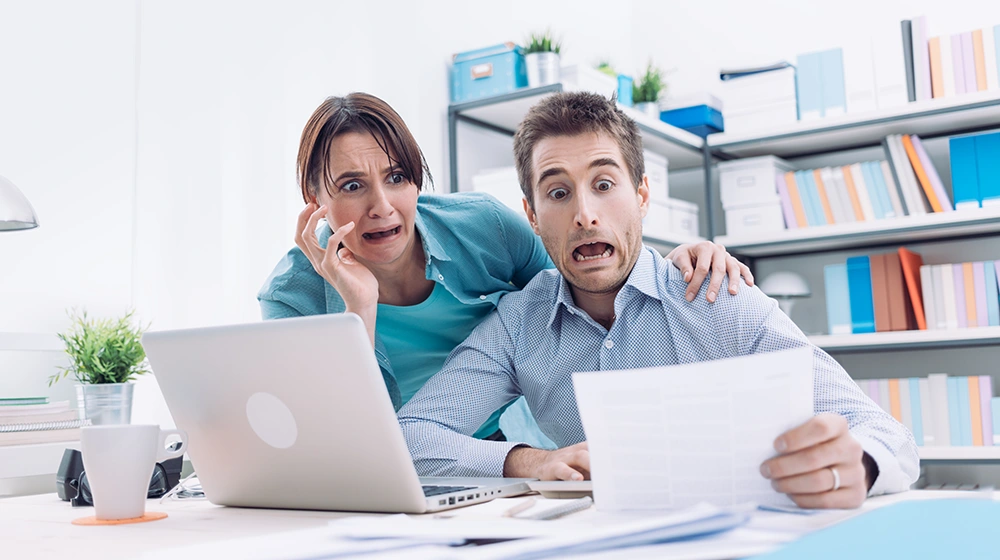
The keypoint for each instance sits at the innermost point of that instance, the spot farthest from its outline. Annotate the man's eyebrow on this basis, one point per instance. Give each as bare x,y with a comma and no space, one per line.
602,162
552,171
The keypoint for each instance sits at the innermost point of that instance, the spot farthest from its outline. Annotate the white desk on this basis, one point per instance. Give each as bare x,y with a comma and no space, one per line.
39,527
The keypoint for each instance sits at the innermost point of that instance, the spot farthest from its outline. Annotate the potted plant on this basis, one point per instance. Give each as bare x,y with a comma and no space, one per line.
105,356
541,57
647,91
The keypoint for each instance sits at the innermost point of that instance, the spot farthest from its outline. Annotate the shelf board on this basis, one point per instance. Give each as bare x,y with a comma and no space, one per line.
504,112
933,117
905,229
34,459
959,454
666,244
908,340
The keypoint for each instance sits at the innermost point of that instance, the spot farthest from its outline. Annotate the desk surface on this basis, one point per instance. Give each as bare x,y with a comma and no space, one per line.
39,527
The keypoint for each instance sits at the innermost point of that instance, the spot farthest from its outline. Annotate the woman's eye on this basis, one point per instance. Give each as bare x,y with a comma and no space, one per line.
558,194
396,178
350,187
604,185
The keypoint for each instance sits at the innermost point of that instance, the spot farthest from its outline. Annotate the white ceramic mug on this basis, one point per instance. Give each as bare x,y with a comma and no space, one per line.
119,460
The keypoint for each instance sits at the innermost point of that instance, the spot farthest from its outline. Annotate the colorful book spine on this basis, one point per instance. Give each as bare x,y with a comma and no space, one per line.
859,281
988,168
926,417
975,412
990,54
992,293
940,399
838,299
889,181
918,168
906,405
961,306
964,410
937,72
954,412
947,67
885,398
985,398
915,410
946,283
958,63
834,90
853,192
786,202
979,293
927,293
969,62
873,391
874,193
964,173
895,407
979,59
824,200
796,197
921,59
809,86
932,173
969,278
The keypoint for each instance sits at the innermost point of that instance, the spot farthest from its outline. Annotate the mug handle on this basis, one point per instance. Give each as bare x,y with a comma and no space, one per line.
162,453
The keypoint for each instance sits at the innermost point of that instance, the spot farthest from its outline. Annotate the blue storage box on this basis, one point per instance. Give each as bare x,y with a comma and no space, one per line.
699,119
625,90
487,72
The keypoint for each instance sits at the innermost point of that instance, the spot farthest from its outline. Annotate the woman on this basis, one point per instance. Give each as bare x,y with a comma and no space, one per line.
420,271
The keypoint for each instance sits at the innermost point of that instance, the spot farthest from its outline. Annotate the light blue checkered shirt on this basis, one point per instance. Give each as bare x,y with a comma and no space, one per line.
538,337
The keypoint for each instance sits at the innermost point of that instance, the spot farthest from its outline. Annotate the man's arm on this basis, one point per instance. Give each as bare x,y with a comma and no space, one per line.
891,464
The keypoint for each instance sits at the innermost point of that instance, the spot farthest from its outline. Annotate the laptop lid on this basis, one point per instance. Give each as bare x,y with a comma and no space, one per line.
289,413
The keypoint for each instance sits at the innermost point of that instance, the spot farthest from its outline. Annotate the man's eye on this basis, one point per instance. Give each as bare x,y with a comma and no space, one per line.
604,185
558,194
350,187
397,178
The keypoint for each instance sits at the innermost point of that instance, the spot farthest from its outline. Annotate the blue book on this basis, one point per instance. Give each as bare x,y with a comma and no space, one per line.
992,295
988,166
859,281
838,299
834,92
816,200
809,86
964,411
953,411
915,411
805,193
883,190
964,175
873,190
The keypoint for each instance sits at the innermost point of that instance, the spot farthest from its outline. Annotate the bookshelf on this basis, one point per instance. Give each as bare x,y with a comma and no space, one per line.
905,340
965,454
929,118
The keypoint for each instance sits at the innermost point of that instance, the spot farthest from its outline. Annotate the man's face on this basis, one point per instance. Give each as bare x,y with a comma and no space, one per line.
587,211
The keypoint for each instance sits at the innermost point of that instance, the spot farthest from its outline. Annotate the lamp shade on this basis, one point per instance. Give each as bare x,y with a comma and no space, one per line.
15,210
785,285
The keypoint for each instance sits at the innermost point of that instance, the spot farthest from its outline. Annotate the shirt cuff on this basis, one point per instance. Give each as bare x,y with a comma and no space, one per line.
891,476
484,458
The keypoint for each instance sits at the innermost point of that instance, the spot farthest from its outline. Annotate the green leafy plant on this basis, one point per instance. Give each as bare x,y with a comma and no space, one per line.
103,350
542,42
605,67
650,86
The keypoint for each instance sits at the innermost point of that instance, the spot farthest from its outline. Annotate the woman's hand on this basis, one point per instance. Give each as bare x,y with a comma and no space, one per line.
352,280
696,260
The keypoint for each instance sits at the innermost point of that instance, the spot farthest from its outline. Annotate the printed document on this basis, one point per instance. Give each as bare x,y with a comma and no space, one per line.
675,436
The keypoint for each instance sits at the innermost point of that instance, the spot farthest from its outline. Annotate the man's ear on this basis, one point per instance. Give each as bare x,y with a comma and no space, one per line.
642,195
531,216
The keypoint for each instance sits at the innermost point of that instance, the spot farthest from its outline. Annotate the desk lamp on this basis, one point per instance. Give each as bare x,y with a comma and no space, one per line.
785,287
15,211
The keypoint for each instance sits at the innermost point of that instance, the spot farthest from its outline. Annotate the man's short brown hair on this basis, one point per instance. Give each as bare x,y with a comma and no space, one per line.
570,114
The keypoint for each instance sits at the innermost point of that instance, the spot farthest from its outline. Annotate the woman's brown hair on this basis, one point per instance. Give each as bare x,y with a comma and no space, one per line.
356,112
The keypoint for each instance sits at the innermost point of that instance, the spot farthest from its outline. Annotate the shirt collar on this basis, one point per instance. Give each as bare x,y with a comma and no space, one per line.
642,278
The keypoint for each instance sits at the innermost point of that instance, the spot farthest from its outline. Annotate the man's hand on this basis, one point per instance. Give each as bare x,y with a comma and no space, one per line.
568,463
695,261
809,455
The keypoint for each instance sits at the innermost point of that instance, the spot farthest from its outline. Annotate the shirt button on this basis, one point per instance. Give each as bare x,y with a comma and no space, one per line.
441,277
609,344
482,297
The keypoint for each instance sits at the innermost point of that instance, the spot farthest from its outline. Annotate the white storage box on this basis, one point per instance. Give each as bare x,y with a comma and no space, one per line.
656,171
750,182
656,224
755,220
579,77
683,216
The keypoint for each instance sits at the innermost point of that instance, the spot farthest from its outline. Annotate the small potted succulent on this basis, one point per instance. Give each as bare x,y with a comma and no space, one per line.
541,57
105,356
646,93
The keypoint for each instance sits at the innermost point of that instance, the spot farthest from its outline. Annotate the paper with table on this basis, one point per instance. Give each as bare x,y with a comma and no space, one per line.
674,436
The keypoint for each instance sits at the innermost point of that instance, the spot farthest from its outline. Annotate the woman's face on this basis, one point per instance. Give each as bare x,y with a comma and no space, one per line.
373,193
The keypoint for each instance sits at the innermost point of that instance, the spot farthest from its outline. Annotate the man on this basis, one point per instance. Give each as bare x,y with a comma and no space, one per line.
615,304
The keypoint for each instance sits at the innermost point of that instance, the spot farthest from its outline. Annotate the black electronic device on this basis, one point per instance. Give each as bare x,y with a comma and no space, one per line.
72,486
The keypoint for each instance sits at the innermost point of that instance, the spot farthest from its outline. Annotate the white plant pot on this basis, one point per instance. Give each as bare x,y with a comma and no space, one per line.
106,403
543,68
649,108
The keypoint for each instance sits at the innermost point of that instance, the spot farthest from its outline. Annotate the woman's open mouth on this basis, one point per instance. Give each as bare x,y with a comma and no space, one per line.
375,235
593,251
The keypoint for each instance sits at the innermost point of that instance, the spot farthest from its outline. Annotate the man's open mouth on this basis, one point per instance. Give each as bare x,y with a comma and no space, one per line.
381,234
592,251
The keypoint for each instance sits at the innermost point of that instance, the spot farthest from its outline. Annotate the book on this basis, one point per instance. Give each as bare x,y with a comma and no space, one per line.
867,206
890,185
905,405
969,286
844,173
985,397
946,283
907,35
900,312
824,200
920,205
964,410
964,173
895,407
979,59
43,426
988,168
834,91
815,205
795,196
851,214
809,86
838,203
927,291
926,419
786,202
975,414
992,292
880,292
32,409
969,61
932,174
921,61
58,416
838,299
947,67
958,63
955,411
859,282
878,177
918,168
990,57
39,436
979,293
885,396
937,72
940,409
961,307
23,401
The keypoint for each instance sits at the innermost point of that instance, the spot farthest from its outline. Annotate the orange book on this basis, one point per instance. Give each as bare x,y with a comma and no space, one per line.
970,294
937,75
911,263
793,193
979,54
880,293
918,167
853,193
822,197
894,405
976,411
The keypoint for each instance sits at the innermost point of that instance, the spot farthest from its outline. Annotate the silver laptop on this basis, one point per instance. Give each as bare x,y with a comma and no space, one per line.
293,413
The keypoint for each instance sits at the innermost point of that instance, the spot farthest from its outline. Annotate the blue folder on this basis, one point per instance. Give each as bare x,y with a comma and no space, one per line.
859,280
954,407
838,298
964,175
912,529
988,166
916,413
992,294
834,92
809,83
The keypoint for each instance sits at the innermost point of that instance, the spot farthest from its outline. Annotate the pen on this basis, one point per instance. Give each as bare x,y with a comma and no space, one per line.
571,506
525,505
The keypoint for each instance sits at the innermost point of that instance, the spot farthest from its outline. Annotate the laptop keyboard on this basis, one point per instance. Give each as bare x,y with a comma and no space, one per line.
438,490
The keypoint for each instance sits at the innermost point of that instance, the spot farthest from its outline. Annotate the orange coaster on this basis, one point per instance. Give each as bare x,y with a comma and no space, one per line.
93,520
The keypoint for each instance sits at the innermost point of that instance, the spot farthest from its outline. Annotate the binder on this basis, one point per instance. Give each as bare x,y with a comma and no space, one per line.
940,409
796,197
880,293
927,291
988,168
916,412
975,413
859,281
961,306
964,172
926,418
979,292
786,202
838,299
992,293
985,400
